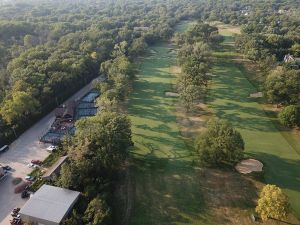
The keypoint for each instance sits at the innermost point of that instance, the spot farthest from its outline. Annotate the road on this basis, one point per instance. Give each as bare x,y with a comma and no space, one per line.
20,153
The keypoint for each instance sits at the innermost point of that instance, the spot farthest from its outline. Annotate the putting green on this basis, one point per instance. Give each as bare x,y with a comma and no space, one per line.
229,99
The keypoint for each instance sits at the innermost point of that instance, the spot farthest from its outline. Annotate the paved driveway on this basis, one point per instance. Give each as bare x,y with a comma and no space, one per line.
20,153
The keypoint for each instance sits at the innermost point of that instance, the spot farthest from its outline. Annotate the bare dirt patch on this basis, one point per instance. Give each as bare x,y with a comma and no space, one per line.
256,95
191,123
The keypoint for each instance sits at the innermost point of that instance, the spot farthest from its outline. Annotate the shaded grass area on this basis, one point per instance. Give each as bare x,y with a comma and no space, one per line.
229,99
166,188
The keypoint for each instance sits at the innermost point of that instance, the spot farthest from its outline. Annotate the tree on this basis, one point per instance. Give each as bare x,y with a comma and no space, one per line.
202,31
188,92
100,146
75,219
282,86
296,49
289,116
97,212
29,41
20,105
272,203
219,144
138,47
108,101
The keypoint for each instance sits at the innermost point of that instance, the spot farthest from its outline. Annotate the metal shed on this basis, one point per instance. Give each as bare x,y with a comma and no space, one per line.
49,205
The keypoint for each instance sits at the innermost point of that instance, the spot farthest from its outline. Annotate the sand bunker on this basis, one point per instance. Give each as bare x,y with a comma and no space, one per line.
171,94
256,95
210,75
248,166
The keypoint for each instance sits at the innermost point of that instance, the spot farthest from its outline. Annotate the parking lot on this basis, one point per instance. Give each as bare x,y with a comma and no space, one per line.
19,155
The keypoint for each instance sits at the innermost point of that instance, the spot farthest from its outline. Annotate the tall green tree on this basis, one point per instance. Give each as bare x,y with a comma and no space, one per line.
97,212
283,86
18,107
219,144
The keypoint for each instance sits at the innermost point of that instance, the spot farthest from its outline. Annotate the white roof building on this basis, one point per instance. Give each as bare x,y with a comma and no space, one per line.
49,205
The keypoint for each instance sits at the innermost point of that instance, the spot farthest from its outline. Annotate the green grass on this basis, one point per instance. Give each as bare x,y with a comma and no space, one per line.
166,188
229,100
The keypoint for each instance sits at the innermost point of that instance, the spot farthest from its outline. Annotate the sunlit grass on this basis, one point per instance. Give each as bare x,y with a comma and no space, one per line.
229,99
167,189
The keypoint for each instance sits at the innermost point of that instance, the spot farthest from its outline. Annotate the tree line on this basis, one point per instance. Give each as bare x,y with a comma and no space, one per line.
194,57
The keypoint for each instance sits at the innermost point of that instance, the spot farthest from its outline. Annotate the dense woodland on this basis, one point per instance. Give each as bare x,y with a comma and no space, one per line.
49,49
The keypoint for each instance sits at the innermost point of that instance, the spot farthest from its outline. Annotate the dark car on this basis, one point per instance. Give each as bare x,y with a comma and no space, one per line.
6,167
16,210
4,148
25,194
36,162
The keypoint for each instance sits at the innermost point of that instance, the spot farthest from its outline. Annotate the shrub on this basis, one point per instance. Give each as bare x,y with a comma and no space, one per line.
289,116
272,203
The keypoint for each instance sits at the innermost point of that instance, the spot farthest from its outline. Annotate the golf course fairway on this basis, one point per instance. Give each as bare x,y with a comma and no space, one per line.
229,99
165,185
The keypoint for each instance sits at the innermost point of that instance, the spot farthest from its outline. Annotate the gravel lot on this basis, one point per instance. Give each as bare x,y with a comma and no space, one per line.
20,153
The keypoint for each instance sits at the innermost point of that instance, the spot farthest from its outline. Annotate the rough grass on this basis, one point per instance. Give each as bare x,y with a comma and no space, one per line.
229,100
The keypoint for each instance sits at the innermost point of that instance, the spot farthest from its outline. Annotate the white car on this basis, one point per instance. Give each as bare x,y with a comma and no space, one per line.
52,148
30,165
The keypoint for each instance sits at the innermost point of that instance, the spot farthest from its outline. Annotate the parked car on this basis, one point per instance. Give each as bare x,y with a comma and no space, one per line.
25,194
2,176
6,168
36,162
30,165
52,148
15,214
4,148
16,221
29,178
16,210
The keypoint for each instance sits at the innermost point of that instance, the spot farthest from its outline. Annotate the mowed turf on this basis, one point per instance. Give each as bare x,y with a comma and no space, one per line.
165,186
229,99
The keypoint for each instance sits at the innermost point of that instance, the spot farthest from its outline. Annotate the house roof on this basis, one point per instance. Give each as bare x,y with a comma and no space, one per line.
50,203
67,110
55,166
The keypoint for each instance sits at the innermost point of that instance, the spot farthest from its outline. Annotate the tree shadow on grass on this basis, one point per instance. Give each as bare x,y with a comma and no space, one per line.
229,98
281,171
167,192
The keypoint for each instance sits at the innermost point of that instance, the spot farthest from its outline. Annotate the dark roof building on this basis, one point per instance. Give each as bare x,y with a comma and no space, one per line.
49,205
67,111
